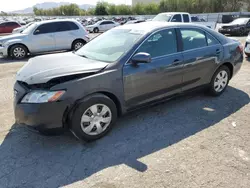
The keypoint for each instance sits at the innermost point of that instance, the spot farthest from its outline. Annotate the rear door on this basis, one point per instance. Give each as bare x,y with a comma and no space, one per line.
43,38
110,25
66,33
162,77
202,52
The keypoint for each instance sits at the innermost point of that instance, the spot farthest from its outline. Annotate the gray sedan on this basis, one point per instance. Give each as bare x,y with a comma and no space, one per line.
126,68
44,36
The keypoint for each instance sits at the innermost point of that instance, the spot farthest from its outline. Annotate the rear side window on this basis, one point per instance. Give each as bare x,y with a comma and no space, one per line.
211,40
73,26
186,18
45,28
177,18
160,44
193,38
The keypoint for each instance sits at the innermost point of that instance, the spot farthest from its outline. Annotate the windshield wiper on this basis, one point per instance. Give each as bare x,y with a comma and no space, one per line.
74,52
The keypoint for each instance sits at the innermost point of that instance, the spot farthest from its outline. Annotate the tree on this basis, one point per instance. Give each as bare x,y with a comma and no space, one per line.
101,9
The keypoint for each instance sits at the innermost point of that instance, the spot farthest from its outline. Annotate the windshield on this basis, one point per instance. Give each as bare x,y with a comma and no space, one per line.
162,17
111,45
240,21
29,29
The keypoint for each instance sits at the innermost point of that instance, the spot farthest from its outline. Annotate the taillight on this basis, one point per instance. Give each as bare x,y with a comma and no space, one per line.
240,48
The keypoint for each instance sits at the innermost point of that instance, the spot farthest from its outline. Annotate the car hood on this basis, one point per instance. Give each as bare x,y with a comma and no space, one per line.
42,69
13,36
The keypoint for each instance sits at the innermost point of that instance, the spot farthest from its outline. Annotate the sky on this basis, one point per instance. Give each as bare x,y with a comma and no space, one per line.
11,5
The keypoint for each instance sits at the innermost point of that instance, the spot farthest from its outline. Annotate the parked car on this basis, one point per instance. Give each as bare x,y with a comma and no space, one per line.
44,36
7,27
121,70
247,46
183,17
240,26
103,25
21,29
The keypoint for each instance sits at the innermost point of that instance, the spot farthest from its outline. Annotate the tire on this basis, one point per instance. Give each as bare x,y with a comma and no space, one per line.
96,30
217,87
77,44
85,122
242,32
18,51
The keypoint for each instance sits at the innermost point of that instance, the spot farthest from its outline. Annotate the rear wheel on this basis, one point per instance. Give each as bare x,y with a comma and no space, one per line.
77,44
18,52
93,118
219,81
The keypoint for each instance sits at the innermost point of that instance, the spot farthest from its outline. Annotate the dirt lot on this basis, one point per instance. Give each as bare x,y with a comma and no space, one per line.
193,141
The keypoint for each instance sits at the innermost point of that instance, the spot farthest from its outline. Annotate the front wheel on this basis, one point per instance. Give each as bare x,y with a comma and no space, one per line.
219,81
96,30
93,118
18,52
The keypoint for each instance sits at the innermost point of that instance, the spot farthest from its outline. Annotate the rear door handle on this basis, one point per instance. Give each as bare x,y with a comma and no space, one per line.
177,62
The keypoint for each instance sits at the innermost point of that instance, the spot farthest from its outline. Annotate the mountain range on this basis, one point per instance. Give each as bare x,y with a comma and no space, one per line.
49,5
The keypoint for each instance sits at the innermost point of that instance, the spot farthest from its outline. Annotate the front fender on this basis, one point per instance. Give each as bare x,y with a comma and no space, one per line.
12,42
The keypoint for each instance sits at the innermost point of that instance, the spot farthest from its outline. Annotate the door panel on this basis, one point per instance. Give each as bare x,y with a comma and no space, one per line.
43,38
162,77
201,61
151,81
64,36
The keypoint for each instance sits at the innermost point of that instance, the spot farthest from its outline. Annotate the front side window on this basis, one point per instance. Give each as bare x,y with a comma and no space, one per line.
160,44
45,28
111,45
193,38
177,18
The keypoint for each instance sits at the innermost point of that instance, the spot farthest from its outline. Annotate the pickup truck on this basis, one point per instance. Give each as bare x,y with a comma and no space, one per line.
181,17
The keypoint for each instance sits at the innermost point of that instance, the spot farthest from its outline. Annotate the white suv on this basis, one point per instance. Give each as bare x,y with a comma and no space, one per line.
45,36
103,25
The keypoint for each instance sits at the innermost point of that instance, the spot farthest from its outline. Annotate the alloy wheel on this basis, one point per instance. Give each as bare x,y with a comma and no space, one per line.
78,45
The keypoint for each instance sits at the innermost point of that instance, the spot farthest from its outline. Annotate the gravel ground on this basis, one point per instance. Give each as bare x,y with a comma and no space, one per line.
192,141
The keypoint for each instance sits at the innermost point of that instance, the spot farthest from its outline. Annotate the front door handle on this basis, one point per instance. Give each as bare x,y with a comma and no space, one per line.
218,51
177,62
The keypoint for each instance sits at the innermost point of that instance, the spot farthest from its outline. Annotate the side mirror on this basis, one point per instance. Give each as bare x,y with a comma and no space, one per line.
141,57
173,20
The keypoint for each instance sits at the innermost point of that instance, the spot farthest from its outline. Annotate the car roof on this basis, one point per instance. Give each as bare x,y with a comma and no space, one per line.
56,20
146,27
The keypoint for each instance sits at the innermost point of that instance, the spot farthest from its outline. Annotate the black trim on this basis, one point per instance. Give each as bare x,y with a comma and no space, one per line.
134,101
164,99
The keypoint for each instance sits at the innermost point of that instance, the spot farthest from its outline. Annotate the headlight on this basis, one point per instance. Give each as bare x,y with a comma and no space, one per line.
42,96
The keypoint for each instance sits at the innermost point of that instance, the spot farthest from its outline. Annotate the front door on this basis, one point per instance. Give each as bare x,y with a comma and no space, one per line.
43,38
201,53
162,77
